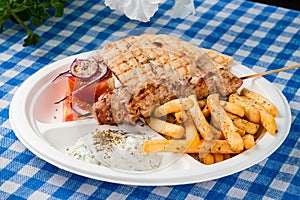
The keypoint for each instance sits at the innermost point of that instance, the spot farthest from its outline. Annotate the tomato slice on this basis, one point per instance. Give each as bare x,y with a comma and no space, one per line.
68,112
85,98
91,93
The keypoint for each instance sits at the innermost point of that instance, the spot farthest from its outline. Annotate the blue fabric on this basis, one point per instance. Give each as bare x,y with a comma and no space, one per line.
259,36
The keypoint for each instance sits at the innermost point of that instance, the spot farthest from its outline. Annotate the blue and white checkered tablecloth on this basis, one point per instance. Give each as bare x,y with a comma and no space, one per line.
259,36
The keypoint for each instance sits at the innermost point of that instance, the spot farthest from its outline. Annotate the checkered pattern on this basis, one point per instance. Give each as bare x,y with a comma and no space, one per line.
259,36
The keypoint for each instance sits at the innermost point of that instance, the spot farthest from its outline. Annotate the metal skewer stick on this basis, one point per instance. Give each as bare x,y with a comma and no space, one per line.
270,72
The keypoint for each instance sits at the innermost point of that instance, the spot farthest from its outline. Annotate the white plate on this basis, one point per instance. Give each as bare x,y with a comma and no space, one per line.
37,123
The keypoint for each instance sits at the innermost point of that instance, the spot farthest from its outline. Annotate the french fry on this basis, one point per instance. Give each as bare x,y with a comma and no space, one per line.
171,119
207,158
251,112
230,132
233,108
165,128
173,106
263,101
199,119
184,146
202,103
243,124
226,156
249,141
180,116
217,134
233,125
191,133
215,122
174,146
267,120
213,146
206,112
241,132
218,157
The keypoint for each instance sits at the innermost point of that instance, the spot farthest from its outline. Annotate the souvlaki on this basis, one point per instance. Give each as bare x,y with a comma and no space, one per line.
150,70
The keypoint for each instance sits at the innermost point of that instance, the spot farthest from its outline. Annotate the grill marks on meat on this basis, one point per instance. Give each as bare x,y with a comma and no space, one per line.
221,79
227,82
152,94
102,109
124,107
203,86
127,104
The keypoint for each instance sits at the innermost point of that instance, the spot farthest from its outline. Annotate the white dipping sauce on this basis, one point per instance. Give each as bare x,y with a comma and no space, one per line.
116,149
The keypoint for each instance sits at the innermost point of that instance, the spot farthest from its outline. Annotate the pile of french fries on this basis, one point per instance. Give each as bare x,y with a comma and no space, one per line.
212,130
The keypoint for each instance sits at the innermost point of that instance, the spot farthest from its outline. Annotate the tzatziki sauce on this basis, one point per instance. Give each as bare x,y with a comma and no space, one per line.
116,149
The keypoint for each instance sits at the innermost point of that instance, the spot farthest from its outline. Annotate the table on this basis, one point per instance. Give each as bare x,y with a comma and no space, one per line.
260,37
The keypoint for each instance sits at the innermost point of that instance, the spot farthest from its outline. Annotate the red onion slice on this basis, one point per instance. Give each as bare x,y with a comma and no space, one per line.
103,73
84,69
60,75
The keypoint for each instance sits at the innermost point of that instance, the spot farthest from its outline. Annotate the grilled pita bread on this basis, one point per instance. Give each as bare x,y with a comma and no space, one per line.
137,59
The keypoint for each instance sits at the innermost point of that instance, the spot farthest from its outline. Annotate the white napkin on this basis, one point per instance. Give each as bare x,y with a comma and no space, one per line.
183,8
143,10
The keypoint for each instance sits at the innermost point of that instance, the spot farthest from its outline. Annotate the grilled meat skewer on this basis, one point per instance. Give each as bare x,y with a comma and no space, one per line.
127,104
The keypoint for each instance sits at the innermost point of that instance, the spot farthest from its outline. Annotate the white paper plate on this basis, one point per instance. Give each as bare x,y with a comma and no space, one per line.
36,121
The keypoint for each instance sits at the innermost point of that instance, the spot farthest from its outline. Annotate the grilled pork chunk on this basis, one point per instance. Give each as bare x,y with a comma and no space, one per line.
127,104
